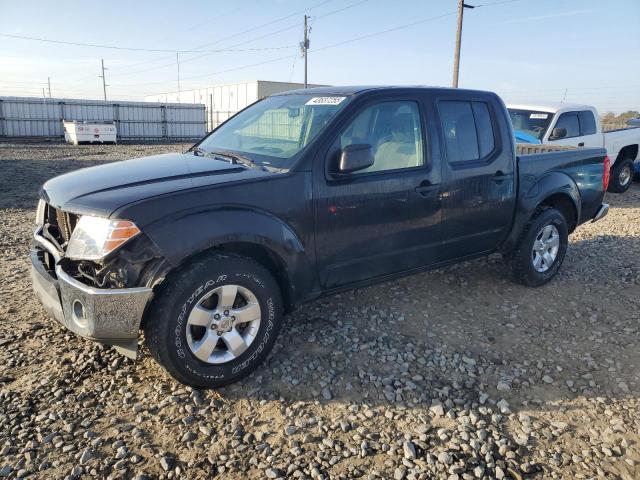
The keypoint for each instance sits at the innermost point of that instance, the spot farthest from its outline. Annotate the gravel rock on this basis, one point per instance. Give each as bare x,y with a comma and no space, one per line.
409,450
380,382
167,463
87,455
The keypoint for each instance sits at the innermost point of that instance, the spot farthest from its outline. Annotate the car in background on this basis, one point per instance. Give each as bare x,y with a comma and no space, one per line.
566,124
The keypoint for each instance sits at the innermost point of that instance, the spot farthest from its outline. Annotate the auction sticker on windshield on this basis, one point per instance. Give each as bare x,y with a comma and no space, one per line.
539,115
325,100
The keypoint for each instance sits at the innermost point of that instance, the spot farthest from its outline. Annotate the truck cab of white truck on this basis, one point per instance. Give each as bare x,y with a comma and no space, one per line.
566,124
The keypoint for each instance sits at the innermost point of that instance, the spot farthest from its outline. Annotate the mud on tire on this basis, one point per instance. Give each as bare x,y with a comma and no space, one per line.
166,324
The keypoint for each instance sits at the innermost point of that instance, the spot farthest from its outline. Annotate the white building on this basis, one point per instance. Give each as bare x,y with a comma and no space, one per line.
224,100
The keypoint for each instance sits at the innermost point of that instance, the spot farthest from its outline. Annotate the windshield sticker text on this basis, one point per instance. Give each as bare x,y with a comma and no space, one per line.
325,100
539,115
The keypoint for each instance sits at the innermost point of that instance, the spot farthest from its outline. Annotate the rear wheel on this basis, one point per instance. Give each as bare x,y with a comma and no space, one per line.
621,176
541,250
215,320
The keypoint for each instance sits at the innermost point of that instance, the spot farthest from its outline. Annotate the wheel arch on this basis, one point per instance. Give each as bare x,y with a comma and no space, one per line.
252,233
555,190
629,151
566,205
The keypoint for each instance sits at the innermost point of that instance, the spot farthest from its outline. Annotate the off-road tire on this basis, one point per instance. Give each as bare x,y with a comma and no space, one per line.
614,180
522,266
165,326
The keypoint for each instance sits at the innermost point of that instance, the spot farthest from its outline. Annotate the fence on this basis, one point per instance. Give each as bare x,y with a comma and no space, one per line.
40,117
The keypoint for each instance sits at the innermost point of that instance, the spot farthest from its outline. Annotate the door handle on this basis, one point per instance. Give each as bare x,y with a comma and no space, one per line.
581,144
500,176
427,189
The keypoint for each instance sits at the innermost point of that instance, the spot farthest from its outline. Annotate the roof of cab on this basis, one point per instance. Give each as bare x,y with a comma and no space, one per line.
550,107
357,89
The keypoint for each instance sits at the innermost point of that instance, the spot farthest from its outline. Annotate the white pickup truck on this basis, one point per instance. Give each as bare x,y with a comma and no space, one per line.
567,124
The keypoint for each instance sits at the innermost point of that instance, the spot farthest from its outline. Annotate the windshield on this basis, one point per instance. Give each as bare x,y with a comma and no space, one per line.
274,130
530,122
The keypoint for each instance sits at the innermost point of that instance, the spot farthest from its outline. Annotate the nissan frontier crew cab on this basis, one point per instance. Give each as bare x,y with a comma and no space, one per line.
301,194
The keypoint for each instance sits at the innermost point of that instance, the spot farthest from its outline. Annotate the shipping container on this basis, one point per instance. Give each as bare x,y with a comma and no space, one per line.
224,100
135,121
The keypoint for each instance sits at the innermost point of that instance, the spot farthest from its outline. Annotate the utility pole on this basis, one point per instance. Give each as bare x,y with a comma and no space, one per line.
304,46
456,60
49,83
104,81
178,64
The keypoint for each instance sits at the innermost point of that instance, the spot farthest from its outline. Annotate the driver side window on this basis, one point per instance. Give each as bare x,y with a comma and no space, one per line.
569,121
393,129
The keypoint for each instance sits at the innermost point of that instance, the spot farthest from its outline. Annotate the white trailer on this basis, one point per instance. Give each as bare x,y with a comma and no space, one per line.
89,132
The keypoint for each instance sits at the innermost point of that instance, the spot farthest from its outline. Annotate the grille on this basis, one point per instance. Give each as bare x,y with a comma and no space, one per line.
59,225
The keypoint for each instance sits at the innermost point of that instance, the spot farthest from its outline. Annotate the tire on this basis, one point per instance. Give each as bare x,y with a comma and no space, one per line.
524,258
621,176
191,296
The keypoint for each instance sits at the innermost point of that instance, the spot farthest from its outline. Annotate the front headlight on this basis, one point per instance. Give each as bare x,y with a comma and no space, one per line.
95,237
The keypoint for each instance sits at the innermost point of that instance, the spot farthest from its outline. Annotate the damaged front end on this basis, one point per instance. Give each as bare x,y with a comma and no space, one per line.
102,298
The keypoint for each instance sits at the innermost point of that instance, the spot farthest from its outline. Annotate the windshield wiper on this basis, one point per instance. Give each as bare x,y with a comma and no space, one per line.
231,157
238,158
215,155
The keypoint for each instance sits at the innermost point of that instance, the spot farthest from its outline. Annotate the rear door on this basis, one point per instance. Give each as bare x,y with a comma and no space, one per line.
478,177
384,219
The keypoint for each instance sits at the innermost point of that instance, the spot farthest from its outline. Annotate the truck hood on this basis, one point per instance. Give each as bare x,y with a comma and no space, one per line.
102,189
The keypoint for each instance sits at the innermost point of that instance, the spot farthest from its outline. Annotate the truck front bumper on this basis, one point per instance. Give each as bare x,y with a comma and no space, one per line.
106,315
601,213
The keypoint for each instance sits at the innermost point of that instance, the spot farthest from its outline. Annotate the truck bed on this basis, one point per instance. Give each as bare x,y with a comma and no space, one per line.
583,169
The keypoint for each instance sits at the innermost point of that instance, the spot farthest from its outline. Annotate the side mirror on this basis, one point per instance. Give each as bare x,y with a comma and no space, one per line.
558,133
357,156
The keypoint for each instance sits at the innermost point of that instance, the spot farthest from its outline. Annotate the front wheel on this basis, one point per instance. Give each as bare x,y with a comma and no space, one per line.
621,176
541,249
215,320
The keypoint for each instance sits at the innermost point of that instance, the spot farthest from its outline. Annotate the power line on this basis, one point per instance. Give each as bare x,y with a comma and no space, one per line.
260,37
271,22
381,32
135,49
326,47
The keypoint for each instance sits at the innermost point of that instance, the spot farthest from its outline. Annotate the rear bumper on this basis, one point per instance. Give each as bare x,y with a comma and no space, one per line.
601,213
106,315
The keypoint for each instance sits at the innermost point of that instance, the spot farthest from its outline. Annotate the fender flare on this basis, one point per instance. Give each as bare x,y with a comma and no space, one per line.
546,187
206,229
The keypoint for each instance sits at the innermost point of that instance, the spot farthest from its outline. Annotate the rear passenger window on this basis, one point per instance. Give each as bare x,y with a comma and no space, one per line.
569,121
468,130
484,128
587,122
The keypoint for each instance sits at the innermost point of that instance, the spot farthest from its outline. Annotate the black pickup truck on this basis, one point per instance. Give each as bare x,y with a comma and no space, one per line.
299,195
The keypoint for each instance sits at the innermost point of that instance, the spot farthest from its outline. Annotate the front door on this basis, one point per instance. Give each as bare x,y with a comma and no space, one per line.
383,219
581,130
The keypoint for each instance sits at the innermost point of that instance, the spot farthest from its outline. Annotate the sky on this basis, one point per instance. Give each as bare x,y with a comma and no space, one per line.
583,51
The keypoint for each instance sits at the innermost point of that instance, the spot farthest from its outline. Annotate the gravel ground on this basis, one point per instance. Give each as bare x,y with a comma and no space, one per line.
456,373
